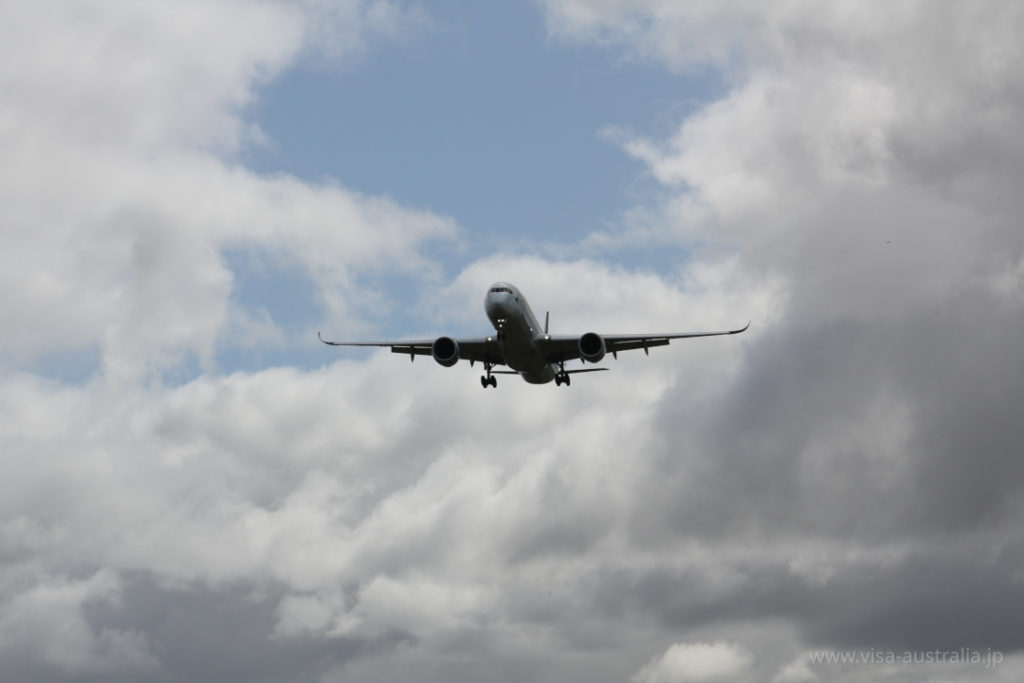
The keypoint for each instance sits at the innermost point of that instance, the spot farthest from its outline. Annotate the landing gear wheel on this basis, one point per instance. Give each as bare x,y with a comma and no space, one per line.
488,380
561,377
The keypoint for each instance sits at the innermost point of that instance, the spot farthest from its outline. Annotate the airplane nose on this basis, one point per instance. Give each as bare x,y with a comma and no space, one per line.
501,301
498,303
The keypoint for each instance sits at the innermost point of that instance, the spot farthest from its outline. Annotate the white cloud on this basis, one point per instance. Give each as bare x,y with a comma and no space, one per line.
796,671
848,194
30,619
139,76
360,506
839,109
338,28
118,190
695,662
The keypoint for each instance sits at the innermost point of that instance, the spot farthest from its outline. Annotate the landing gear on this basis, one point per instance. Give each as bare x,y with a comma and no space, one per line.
488,380
562,377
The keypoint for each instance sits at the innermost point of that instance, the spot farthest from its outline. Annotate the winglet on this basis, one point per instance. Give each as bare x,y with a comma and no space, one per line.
325,341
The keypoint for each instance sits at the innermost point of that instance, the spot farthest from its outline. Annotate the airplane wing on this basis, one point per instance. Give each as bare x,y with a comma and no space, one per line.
478,349
563,347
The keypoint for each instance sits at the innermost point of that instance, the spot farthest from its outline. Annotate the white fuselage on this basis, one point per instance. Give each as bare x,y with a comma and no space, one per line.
518,331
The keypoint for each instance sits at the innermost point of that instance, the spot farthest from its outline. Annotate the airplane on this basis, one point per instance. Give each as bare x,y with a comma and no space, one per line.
520,344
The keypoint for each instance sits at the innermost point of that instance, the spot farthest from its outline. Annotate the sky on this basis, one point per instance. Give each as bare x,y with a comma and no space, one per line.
192,487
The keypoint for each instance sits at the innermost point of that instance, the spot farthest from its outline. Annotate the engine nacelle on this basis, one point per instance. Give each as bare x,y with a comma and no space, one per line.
592,347
445,351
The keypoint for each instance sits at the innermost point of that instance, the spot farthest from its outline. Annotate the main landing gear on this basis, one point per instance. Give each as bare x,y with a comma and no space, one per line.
562,377
488,380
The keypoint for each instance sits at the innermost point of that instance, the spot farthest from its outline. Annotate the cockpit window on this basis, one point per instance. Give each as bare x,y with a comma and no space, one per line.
498,290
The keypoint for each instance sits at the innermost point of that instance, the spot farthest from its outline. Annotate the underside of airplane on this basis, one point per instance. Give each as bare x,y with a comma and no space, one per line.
520,344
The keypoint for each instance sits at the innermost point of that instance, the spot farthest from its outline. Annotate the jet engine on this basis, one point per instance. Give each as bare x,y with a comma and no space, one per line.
592,348
445,351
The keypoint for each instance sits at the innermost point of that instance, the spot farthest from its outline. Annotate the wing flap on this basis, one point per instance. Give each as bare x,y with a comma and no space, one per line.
615,346
410,349
478,349
561,348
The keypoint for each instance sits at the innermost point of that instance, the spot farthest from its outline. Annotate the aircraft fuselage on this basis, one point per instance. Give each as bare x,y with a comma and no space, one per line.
517,333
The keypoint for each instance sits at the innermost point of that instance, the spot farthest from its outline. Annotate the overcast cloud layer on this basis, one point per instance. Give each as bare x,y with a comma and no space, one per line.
845,476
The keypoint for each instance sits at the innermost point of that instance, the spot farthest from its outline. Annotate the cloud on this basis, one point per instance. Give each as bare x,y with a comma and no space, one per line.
337,30
285,485
695,662
122,195
31,617
796,672
864,163
848,167
821,481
